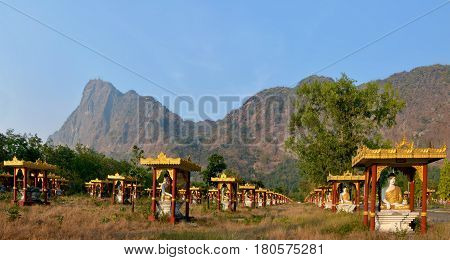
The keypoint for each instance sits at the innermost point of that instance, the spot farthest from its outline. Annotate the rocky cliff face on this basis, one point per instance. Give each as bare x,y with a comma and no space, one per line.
426,117
251,138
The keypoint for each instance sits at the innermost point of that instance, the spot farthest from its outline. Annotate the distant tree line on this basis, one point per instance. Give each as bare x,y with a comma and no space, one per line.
78,165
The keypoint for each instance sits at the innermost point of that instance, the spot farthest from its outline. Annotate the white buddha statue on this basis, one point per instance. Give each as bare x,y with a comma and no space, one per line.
392,196
165,187
344,197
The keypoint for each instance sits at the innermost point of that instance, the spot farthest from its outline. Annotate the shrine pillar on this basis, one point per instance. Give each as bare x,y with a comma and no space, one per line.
152,216
230,198
264,199
254,199
423,214
44,189
373,196
218,197
174,194
16,171
188,194
366,197
24,188
412,191
357,195
113,196
333,197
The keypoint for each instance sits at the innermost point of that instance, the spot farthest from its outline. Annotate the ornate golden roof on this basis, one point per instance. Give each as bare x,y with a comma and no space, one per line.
6,175
117,176
403,154
162,161
212,190
261,190
100,181
52,176
38,165
247,186
346,176
223,178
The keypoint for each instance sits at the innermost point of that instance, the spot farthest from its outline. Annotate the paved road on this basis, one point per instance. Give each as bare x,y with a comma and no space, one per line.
439,215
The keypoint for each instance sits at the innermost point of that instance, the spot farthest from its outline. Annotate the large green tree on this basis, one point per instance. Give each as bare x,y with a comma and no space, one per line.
216,164
444,181
332,118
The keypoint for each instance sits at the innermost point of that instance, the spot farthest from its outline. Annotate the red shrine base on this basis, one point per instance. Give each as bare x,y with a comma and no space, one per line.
25,203
28,203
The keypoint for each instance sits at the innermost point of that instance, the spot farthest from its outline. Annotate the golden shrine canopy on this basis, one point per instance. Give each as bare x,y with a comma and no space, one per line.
261,190
404,154
346,176
119,177
99,181
223,178
247,186
38,165
53,176
162,161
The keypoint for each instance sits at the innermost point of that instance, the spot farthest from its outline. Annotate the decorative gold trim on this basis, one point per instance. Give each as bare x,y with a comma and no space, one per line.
419,171
380,168
346,176
404,150
38,165
372,214
365,213
423,214
223,178
162,161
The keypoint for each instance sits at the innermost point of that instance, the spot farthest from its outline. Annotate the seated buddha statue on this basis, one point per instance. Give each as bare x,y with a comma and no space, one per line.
392,196
166,185
344,197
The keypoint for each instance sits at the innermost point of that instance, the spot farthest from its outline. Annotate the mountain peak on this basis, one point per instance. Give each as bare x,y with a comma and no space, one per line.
313,78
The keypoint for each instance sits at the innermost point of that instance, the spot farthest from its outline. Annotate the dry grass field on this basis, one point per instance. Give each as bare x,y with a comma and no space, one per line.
81,217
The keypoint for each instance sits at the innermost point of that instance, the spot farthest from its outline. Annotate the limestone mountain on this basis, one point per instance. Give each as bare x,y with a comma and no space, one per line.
251,138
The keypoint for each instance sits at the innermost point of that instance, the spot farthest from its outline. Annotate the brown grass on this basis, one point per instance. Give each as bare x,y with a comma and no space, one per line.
80,217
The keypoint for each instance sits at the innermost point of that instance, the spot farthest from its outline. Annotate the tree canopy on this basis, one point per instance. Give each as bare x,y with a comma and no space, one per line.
332,118
78,165
216,164
444,181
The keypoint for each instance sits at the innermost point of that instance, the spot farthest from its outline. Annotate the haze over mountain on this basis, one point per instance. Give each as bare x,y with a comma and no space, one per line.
251,138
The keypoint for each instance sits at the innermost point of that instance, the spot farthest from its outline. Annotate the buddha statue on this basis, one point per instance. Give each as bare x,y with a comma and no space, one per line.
165,187
344,197
392,196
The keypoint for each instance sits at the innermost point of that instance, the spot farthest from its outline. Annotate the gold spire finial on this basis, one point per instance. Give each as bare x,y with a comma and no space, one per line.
162,155
404,144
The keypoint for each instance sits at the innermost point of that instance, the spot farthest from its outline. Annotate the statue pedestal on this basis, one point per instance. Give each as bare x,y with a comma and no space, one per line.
165,206
328,205
349,208
395,220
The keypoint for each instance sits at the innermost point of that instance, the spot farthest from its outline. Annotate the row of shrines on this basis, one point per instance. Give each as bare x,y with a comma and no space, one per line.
171,190
34,182
31,182
384,208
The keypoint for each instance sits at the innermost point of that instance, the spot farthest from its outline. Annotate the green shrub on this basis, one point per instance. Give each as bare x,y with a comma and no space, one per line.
13,213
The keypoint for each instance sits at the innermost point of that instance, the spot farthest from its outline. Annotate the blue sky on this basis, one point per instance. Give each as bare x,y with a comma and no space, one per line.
198,48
